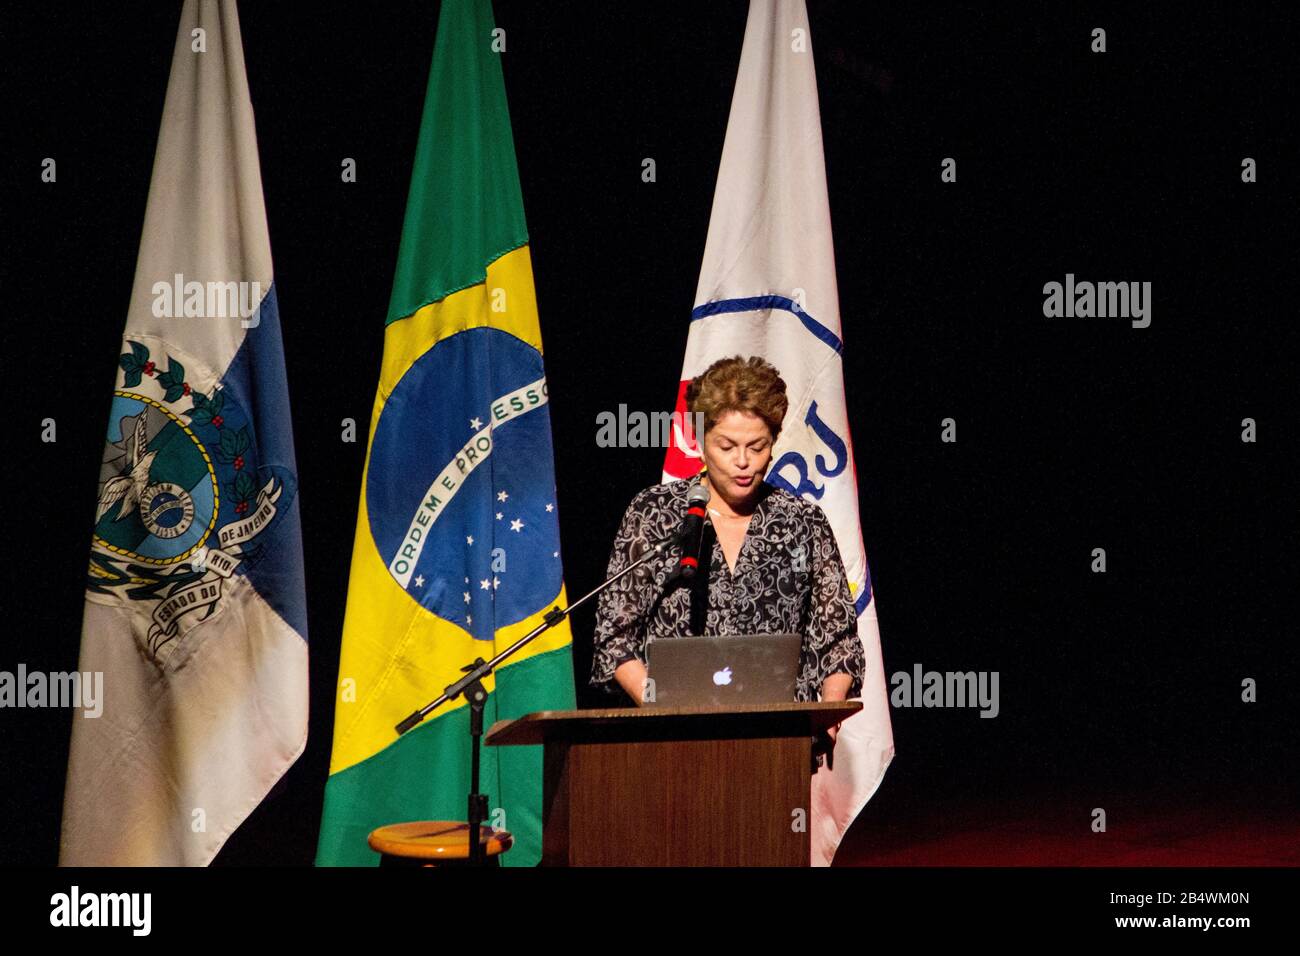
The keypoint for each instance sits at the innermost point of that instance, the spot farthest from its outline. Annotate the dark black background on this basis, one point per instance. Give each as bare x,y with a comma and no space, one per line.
1072,434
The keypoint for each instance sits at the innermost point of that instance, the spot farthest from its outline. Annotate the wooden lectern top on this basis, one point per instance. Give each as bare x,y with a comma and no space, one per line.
666,723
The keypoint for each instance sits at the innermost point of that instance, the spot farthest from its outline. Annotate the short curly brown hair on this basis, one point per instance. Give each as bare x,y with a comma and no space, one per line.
739,384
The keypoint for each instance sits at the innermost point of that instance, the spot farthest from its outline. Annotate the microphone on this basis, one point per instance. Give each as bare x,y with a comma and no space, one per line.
692,534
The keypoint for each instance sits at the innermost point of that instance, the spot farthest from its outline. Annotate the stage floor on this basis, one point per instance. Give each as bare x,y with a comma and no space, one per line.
1054,830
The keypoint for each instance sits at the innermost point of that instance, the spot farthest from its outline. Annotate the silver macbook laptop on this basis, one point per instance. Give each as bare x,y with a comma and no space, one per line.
745,669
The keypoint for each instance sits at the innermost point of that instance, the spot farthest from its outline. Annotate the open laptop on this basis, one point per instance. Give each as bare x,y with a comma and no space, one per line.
744,669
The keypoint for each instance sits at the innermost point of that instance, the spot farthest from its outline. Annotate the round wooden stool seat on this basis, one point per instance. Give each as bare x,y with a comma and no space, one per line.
435,843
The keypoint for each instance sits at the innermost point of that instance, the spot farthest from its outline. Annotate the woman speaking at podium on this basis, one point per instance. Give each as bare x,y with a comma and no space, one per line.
773,565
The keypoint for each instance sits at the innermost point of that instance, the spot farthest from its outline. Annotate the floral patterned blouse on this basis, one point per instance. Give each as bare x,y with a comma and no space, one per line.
788,578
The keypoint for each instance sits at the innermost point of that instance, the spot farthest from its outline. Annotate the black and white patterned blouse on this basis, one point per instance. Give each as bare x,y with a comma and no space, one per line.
789,578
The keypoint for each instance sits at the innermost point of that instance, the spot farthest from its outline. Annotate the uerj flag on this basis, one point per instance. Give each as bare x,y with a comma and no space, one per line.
767,287
457,549
195,610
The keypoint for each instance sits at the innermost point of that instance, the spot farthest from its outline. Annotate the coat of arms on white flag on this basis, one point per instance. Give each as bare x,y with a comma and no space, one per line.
195,608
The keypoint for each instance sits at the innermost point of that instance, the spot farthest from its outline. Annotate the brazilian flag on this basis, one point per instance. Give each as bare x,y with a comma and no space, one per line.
457,550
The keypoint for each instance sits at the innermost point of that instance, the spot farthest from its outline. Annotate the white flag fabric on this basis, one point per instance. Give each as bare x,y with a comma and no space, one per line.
195,609
767,287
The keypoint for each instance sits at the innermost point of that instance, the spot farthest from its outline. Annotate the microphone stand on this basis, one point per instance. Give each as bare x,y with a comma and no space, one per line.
472,686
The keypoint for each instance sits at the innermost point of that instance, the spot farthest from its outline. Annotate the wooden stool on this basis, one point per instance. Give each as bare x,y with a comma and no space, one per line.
435,843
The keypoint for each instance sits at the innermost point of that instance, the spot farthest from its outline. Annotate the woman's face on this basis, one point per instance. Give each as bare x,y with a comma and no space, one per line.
737,451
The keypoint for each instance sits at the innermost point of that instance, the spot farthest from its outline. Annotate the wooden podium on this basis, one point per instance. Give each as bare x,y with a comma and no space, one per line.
676,786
